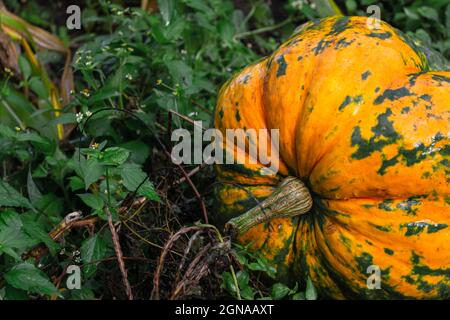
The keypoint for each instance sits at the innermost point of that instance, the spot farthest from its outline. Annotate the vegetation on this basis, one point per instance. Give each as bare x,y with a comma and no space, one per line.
85,123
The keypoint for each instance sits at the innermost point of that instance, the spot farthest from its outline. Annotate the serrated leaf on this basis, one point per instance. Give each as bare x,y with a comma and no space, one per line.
133,178
115,156
12,237
37,232
27,277
9,197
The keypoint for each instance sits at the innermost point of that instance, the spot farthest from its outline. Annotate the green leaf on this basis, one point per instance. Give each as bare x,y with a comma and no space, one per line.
115,156
7,132
37,231
92,249
90,170
166,7
133,177
38,87
411,14
9,197
93,201
228,283
139,150
13,239
12,293
351,5
311,293
33,192
429,13
181,73
25,67
279,291
27,277
299,296
243,280
76,183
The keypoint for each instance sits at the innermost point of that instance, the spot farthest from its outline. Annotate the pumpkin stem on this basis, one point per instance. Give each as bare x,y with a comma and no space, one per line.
290,199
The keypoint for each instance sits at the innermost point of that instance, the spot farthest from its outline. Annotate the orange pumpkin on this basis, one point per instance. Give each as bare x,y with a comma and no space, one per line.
363,118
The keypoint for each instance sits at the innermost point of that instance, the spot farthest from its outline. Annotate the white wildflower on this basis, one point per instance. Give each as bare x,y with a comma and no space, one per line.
79,117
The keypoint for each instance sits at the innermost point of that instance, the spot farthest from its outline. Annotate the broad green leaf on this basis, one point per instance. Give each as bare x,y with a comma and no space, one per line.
9,197
27,277
92,249
279,291
429,13
36,230
93,201
133,178
166,7
246,290
89,170
139,150
181,73
115,156
12,293
76,183
13,239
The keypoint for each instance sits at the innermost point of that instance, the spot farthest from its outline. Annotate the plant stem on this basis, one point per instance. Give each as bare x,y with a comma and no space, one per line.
291,199
262,30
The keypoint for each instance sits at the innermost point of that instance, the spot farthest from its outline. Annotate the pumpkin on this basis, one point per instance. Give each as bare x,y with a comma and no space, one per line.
363,180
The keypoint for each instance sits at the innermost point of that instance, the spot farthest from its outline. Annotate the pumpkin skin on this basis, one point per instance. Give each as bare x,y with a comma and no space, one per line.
364,122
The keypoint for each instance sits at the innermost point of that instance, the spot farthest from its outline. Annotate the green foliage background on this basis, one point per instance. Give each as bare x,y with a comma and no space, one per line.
132,67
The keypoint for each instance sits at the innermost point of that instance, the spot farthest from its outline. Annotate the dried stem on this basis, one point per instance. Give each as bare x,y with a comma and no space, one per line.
118,250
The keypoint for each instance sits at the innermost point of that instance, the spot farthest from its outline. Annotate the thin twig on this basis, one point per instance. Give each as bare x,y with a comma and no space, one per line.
168,245
118,250
190,174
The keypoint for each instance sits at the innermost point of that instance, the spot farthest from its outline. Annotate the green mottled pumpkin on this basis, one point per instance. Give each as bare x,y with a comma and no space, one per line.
364,124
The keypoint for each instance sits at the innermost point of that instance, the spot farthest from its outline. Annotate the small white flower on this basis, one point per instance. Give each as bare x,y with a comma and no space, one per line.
17,128
88,113
128,76
79,117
